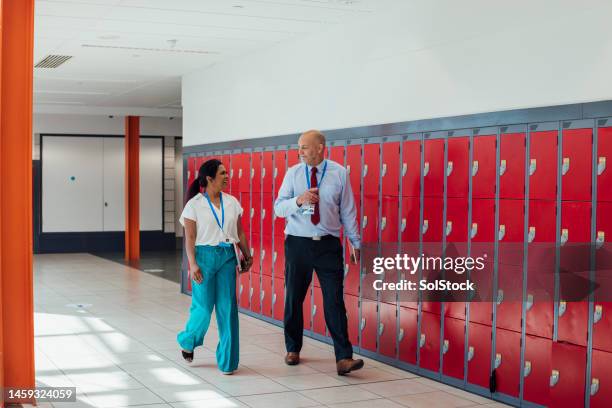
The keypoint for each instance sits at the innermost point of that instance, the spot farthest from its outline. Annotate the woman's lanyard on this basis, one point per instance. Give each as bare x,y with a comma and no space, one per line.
220,224
322,175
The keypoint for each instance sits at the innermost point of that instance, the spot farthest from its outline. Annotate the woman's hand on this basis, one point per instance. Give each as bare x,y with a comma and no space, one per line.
196,273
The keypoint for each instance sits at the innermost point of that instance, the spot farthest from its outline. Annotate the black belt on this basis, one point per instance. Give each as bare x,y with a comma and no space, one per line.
316,238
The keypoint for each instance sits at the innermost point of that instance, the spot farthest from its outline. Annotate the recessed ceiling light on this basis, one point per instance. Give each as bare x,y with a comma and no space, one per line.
109,37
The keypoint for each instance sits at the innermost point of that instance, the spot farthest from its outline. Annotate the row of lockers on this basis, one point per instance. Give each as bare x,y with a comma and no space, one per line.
454,180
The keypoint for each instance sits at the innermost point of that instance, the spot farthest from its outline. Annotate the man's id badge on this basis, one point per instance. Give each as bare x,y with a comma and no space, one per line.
308,209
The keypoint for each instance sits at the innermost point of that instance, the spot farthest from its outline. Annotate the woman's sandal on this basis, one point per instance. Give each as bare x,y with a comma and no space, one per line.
188,356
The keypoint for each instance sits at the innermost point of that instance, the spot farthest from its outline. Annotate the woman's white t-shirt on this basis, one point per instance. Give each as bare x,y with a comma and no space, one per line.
208,231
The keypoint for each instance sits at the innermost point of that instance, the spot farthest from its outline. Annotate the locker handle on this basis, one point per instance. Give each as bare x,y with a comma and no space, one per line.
348,169
275,172
601,165
384,169
532,234
502,167
425,226
252,251
562,307
252,212
196,174
263,254
500,296
598,313
449,168
554,378
445,346
273,299
262,294
365,221
404,169
422,341
403,227
381,329
527,369
498,360
474,230
601,238
564,236
566,166
189,174
239,173
594,386
426,169
346,270
263,214
363,323
231,173
401,335
383,223
241,289
314,310
470,355
474,168
533,164
252,173
449,227
250,293
529,303
263,173
502,232
365,170
274,257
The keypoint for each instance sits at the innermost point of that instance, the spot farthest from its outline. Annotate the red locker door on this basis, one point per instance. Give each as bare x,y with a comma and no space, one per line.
280,168
293,157
191,170
387,329
543,165
429,343
255,171
457,167
602,326
541,266
267,172
510,264
576,167
245,202
255,293
234,172
371,170
536,370
407,337
483,167
453,347
567,376
482,233
410,222
278,257
369,220
266,296
389,222
456,236
307,310
512,166
368,325
336,153
255,213
411,169
604,170
603,260
352,316
243,289
432,244
508,362
244,172
353,167
479,354
278,299
433,168
601,385
390,168
351,273
318,317
267,213
256,252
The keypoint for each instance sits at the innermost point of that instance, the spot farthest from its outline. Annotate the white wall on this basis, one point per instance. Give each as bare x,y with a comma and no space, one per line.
420,59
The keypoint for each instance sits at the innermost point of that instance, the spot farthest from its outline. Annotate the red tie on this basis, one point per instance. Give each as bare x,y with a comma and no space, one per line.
314,218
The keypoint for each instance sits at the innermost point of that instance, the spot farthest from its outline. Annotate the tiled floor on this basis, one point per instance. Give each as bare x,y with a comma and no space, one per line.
109,330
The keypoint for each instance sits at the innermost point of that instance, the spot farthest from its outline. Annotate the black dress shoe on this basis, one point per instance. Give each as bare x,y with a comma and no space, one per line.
188,356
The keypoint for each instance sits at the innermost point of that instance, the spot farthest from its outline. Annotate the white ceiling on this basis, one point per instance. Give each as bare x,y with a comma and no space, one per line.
129,55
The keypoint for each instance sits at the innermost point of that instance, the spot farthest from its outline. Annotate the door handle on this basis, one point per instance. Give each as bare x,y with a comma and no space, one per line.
404,169
498,360
422,340
384,169
554,378
470,355
562,307
105,204
527,368
474,230
502,232
502,167
532,166
566,166
449,227
445,346
449,168
474,168
425,226
601,165
532,234
564,236
426,169
601,238
365,170
597,315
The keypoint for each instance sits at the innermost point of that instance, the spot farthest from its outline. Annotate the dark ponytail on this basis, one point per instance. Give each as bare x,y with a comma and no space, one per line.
208,169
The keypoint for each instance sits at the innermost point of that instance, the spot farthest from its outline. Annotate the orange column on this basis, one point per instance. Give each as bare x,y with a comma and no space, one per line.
132,189
17,308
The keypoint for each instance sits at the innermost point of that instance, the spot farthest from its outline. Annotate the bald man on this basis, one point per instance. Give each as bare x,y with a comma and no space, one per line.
317,201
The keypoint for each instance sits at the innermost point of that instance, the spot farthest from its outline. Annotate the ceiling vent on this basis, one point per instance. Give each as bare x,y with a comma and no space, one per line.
52,61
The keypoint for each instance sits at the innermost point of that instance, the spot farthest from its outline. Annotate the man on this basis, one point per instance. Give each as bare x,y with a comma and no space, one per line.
316,199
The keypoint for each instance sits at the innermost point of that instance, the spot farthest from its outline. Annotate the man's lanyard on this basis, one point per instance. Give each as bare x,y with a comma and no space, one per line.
220,224
322,175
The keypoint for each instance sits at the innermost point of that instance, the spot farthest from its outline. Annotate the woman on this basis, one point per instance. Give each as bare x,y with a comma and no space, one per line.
212,222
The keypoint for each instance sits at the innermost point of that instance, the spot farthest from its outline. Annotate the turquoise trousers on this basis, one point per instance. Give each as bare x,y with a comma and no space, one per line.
218,291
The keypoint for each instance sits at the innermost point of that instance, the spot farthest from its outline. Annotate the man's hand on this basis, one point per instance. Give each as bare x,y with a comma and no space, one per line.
310,196
196,273
355,258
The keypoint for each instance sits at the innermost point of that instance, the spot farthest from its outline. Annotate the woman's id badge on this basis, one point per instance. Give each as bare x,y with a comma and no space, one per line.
308,209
